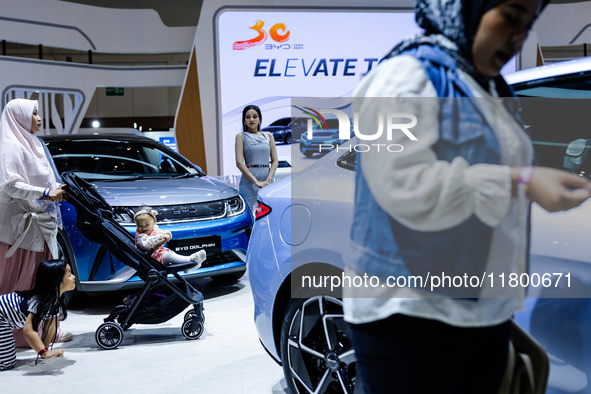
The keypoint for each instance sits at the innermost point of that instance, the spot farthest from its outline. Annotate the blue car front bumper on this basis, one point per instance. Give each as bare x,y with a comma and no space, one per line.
98,271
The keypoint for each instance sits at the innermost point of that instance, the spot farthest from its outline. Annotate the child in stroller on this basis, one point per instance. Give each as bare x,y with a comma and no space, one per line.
95,219
149,237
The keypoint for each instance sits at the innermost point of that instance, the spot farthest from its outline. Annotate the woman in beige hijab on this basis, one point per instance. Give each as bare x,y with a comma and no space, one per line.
29,197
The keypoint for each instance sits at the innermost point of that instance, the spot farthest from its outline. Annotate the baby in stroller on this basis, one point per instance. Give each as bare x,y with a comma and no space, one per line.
149,237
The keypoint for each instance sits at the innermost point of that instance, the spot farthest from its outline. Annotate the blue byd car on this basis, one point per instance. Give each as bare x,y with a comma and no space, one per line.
324,139
131,171
305,332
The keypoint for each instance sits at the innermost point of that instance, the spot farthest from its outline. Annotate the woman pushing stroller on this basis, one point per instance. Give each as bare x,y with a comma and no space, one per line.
149,237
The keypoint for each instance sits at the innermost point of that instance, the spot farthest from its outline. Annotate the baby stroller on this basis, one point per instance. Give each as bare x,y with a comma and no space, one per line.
95,220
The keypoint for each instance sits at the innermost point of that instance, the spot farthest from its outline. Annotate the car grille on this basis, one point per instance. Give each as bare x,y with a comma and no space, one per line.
191,211
175,213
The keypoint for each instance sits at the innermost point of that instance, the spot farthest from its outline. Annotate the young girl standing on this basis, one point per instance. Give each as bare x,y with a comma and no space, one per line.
149,237
28,309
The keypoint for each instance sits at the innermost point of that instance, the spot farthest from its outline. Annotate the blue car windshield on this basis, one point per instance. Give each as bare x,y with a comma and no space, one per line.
106,159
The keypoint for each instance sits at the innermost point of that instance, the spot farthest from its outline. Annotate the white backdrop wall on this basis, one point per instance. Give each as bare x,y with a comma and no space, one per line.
27,74
76,26
565,24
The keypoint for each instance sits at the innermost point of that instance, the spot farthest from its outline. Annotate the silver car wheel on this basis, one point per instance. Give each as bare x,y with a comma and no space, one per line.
317,353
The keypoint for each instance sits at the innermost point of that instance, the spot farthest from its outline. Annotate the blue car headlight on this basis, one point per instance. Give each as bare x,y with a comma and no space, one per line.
235,206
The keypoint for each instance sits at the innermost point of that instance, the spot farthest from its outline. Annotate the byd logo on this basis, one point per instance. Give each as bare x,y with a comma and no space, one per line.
262,36
392,123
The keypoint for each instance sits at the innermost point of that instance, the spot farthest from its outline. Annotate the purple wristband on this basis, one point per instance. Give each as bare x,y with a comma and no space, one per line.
524,177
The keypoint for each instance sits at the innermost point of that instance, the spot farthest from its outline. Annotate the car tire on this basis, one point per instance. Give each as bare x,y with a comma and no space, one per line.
308,153
287,139
228,278
316,349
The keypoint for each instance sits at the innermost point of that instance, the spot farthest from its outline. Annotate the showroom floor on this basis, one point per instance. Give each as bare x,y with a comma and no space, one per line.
228,358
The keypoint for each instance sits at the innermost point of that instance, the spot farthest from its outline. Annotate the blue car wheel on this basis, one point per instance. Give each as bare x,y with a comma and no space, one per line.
316,350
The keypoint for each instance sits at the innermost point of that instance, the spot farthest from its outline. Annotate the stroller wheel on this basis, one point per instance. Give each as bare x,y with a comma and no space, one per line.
109,335
188,332
189,315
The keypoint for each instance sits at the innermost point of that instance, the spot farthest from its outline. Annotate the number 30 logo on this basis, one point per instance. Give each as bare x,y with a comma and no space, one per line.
258,27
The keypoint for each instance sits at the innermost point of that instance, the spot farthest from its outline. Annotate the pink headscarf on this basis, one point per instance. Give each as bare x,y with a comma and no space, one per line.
22,157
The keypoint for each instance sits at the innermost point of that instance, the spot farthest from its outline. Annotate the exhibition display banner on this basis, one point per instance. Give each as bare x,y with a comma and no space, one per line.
267,58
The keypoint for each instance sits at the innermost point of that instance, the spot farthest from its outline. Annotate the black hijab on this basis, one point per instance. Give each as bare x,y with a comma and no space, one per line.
451,25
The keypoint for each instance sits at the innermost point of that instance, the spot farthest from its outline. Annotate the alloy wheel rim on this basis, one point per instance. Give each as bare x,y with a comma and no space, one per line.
320,355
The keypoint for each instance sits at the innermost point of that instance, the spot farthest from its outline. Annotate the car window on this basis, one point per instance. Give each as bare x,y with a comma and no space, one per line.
114,159
281,122
554,113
